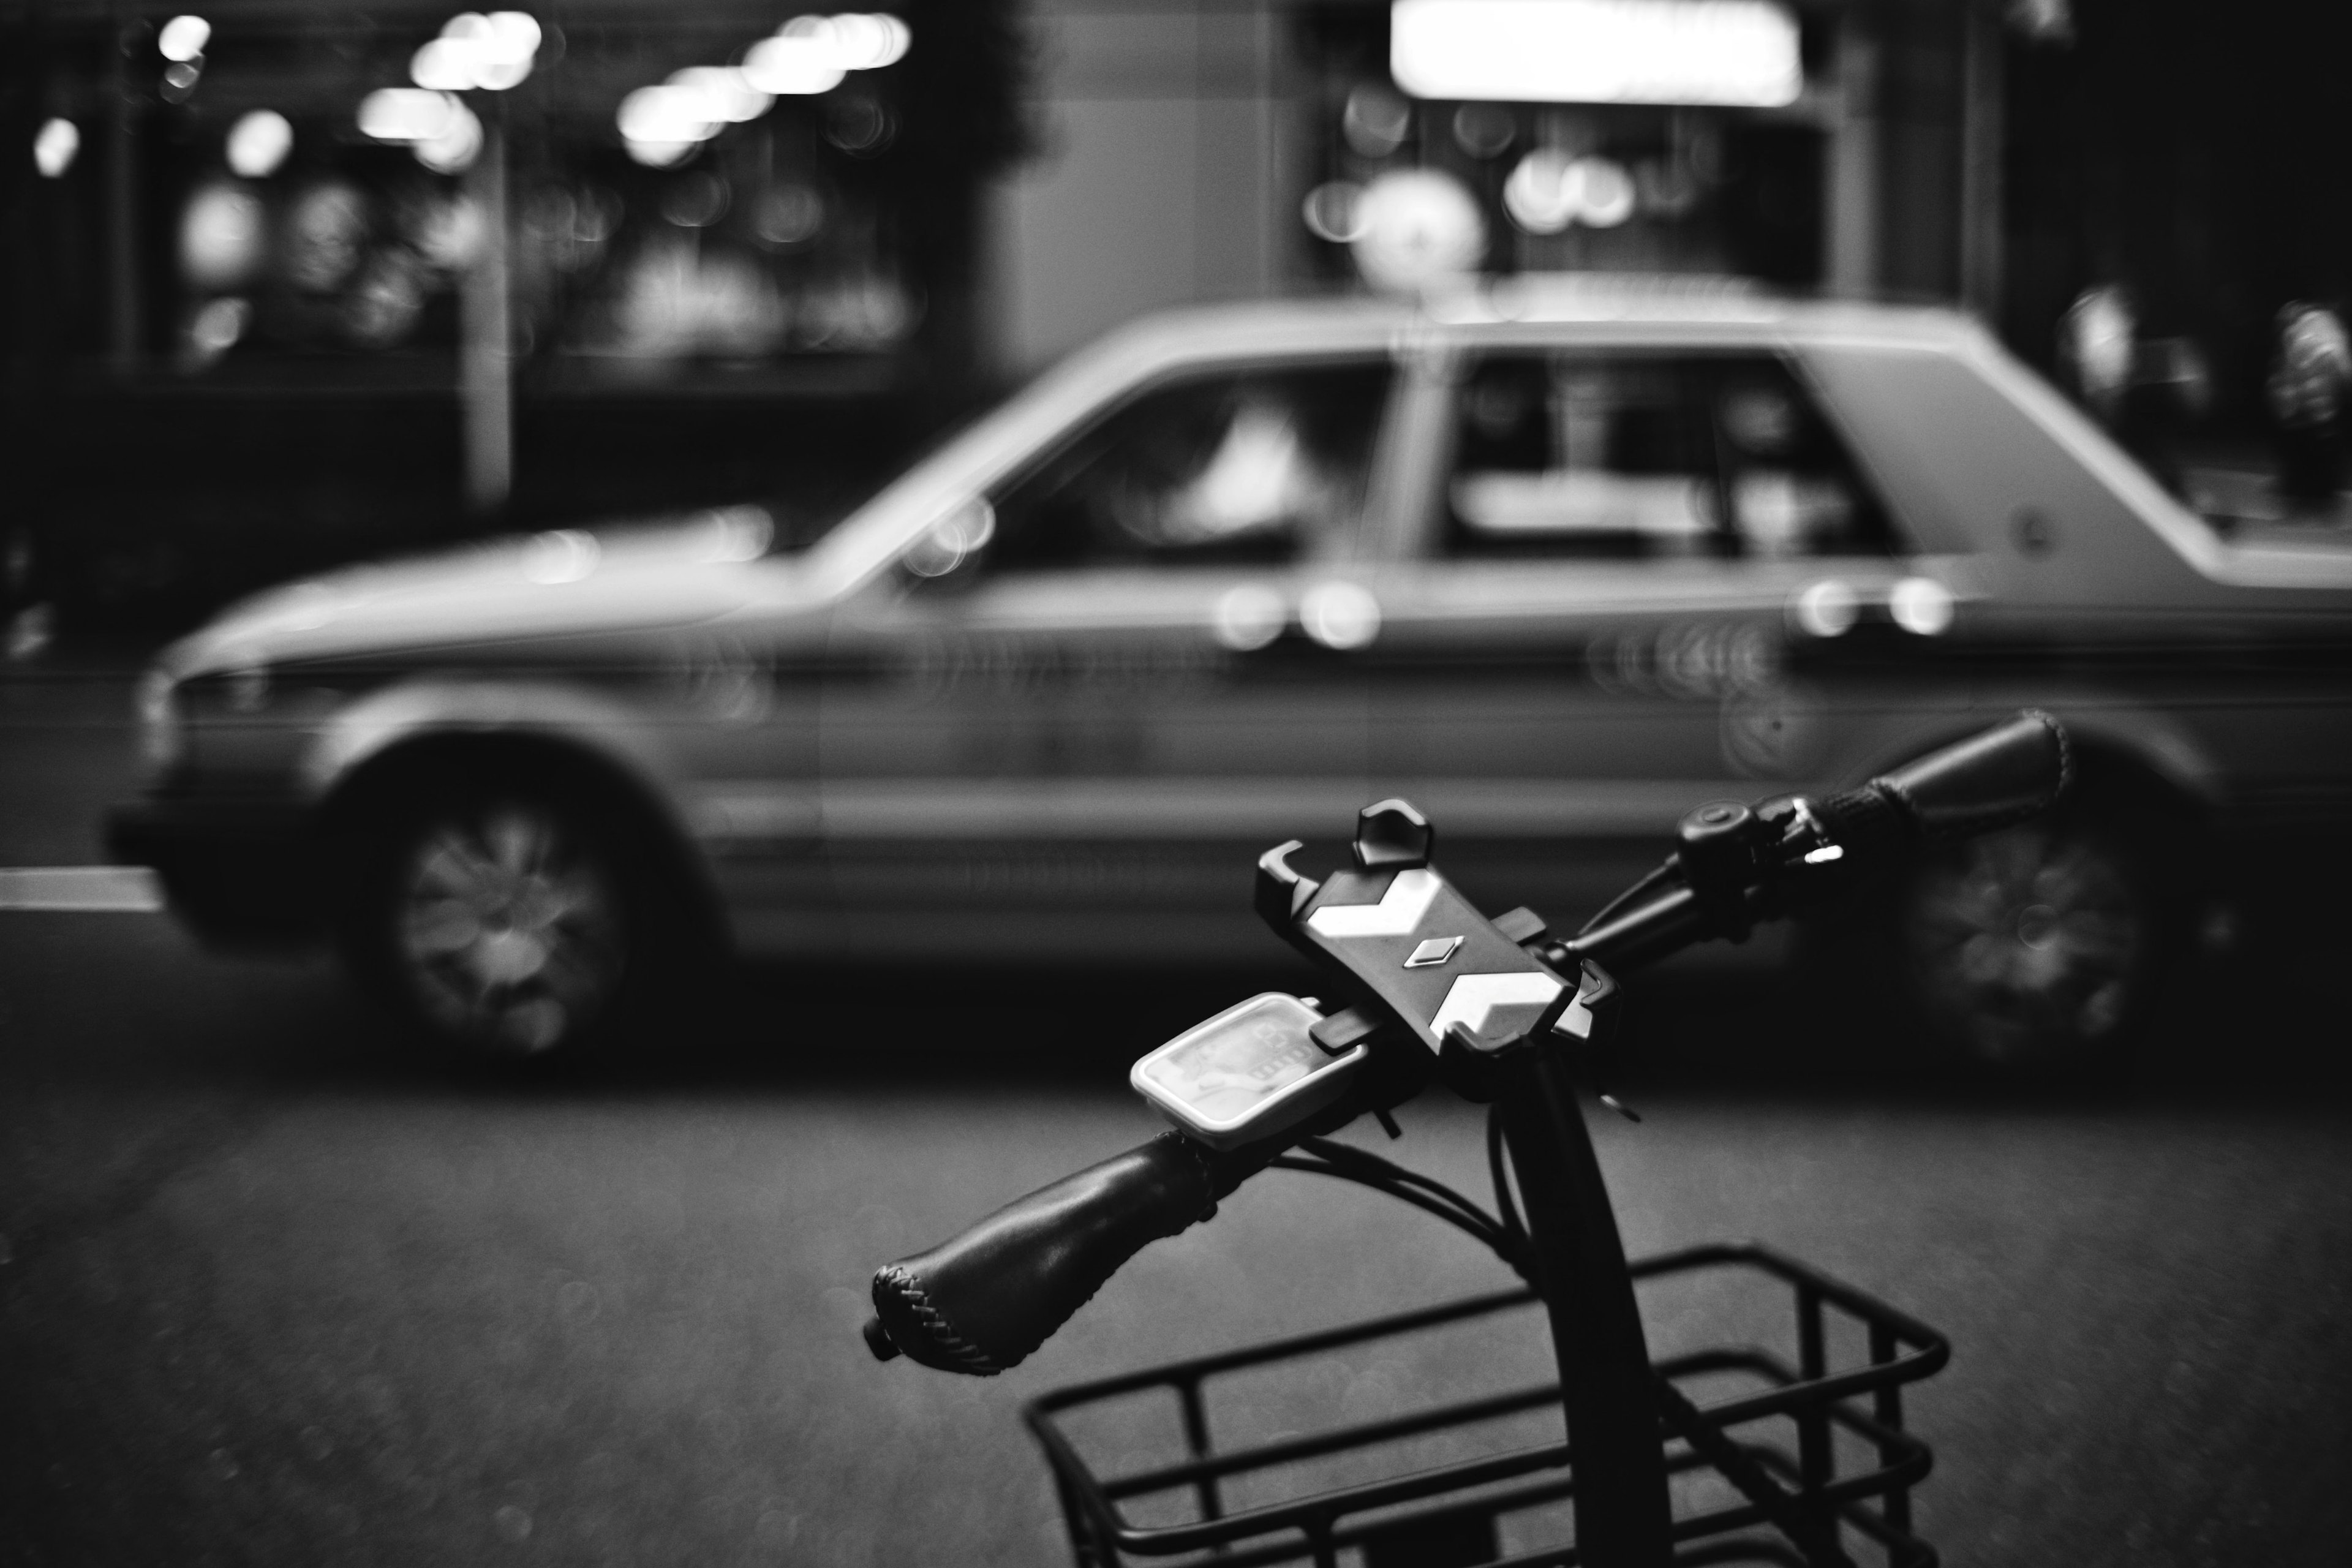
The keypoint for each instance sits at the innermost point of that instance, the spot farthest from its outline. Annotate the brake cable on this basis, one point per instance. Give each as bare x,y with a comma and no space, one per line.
1503,1233
1324,1157
1663,871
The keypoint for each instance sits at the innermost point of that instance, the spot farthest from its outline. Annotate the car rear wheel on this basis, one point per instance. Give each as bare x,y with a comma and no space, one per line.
2040,949
514,921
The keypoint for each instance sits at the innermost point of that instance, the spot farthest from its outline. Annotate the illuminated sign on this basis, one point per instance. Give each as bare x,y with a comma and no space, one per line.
1726,53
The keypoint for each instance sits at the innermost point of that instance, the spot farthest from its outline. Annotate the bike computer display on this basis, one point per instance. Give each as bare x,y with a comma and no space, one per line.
1250,1071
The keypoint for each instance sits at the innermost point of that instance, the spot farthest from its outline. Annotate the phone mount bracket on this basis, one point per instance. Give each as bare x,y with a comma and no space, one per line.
1422,958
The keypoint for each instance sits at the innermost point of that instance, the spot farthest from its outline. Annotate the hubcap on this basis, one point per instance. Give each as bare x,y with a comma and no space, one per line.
508,929
2026,944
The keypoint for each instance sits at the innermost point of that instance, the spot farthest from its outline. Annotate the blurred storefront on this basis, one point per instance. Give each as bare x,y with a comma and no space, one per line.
261,321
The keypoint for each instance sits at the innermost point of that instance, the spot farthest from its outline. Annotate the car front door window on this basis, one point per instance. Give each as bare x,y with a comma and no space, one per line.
1254,466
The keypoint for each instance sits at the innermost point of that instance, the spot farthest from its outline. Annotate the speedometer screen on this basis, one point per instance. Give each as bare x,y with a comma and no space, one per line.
1218,1077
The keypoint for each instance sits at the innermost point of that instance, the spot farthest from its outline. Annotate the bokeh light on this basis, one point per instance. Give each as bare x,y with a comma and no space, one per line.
455,148
660,155
1535,194
444,65
1248,616
324,236
695,201
258,143
1484,130
1548,190
406,114
661,124
787,214
183,38
1922,606
1417,228
860,124
450,234
812,54
952,540
1608,193
794,64
727,97
866,41
1340,614
492,53
1332,211
54,147
808,56
224,237
1376,121
1828,608
216,328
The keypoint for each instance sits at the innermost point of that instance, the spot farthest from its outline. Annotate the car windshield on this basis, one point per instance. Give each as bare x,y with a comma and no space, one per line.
811,506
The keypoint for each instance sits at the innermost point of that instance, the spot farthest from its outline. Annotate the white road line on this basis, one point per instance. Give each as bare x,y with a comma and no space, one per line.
85,890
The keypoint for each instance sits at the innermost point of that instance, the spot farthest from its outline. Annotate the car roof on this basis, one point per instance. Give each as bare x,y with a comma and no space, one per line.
1676,306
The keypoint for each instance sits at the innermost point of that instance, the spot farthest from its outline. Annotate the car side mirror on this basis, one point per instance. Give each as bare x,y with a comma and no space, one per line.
951,548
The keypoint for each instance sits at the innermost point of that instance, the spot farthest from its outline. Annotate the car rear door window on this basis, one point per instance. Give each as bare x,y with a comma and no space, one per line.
1259,466
1628,454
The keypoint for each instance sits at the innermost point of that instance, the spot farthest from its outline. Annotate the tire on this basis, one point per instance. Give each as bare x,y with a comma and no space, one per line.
512,917
2045,950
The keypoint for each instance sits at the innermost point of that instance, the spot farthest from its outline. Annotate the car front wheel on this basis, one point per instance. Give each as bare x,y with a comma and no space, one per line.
507,921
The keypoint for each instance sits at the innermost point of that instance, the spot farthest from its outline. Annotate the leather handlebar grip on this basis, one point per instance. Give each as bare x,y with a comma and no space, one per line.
981,1301
1994,779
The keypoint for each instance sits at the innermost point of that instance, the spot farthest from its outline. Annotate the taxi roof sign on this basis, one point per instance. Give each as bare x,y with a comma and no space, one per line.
1722,53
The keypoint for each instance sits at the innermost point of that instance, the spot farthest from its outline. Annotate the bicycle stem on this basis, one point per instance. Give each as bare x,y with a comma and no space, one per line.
1623,1515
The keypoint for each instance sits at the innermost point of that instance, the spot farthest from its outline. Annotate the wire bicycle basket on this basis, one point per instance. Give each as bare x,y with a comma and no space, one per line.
1813,1422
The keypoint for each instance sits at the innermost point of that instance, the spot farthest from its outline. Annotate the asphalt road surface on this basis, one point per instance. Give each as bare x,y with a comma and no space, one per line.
274,1292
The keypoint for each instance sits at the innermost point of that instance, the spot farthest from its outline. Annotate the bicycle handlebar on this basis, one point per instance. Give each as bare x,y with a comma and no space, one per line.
981,1301
1994,779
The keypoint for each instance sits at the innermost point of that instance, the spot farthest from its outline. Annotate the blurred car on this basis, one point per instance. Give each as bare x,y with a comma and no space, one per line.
1556,560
